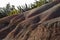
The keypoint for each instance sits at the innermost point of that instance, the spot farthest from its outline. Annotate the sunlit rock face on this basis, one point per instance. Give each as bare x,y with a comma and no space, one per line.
42,23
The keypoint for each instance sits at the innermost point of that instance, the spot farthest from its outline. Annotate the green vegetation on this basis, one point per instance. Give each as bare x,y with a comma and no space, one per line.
11,10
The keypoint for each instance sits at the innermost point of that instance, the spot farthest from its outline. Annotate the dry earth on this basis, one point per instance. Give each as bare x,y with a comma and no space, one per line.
41,23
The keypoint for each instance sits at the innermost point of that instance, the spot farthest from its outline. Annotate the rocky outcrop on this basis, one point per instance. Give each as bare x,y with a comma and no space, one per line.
41,23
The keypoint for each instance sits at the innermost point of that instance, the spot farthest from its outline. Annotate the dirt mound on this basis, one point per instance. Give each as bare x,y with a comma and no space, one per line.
41,23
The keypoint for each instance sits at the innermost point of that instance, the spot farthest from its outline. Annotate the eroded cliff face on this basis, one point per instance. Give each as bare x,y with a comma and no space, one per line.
41,23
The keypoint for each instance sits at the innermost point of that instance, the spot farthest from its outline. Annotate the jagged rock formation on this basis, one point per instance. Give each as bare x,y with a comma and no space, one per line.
41,23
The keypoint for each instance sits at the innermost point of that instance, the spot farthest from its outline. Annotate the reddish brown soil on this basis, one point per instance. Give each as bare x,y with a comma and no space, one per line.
42,23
